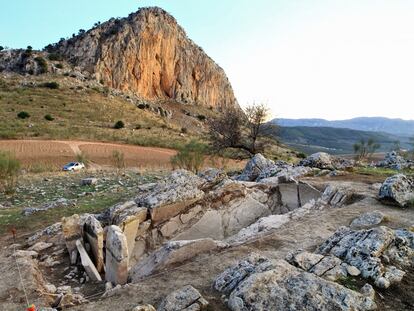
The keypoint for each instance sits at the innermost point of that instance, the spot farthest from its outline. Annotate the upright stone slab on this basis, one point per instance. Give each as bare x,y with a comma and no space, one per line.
72,231
87,262
289,195
94,235
116,256
308,193
129,221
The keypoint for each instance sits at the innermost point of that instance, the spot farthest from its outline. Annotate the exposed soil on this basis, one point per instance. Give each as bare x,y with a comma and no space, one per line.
57,153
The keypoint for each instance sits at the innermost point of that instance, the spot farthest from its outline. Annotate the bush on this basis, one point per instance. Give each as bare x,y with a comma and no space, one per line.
184,130
55,57
119,125
1,48
59,66
42,64
48,117
82,158
51,85
118,160
301,155
190,157
9,170
141,106
23,115
201,117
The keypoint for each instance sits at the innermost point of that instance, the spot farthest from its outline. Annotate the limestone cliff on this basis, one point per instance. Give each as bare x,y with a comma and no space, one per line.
149,54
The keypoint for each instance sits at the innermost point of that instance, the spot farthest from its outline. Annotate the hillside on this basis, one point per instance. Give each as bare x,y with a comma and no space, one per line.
333,140
373,124
146,54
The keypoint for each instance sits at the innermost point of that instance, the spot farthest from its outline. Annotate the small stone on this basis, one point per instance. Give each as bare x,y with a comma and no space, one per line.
40,246
353,271
144,308
368,291
50,288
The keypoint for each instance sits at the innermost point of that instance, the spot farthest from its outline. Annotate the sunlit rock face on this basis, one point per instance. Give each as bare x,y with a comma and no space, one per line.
149,54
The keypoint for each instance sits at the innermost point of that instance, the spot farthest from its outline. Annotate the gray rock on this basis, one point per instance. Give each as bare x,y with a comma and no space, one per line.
398,189
87,263
89,181
255,167
94,235
185,298
117,256
366,249
324,161
40,246
173,252
394,161
367,220
280,286
172,195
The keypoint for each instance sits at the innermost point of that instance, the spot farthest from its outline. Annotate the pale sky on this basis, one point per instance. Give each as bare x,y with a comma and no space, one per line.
333,59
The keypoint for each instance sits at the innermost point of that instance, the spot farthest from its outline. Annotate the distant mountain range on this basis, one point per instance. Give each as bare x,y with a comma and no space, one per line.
338,137
398,127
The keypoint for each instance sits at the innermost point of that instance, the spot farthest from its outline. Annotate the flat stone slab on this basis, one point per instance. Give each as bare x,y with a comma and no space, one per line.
87,262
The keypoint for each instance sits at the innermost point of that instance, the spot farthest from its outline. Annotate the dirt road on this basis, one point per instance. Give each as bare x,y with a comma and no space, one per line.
56,153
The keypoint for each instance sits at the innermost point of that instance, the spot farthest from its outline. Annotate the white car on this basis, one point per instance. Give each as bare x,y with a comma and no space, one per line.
73,166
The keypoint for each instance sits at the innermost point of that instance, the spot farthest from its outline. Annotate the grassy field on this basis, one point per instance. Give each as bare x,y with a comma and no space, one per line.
40,189
85,113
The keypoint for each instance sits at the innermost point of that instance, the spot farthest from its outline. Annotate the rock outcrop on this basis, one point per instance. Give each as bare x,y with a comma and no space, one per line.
372,251
394,161
397,189
324,160
259,283
150,55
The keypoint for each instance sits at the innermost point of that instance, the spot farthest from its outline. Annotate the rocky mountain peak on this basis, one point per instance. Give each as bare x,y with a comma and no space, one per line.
149,54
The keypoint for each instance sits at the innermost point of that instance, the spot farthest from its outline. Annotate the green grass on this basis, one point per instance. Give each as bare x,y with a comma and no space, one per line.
13,218
380,171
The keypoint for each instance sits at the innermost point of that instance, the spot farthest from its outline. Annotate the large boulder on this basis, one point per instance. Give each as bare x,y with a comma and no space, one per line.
183,299
367,220
323,160
172,195
398,189
258,283
255,167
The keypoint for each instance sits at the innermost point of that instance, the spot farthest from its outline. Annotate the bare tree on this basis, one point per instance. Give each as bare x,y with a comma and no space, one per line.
365,149
240,130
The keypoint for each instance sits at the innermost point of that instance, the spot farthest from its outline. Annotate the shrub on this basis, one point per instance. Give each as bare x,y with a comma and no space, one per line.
41,62
119,125
23,115
118,160
82,158
301,155
201,117
9,170
51,85
59,66
55,57
184,130
1,48
138,126
190,157
48,117
164,126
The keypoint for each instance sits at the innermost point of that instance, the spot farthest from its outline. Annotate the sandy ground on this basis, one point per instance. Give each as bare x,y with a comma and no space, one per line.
57,153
